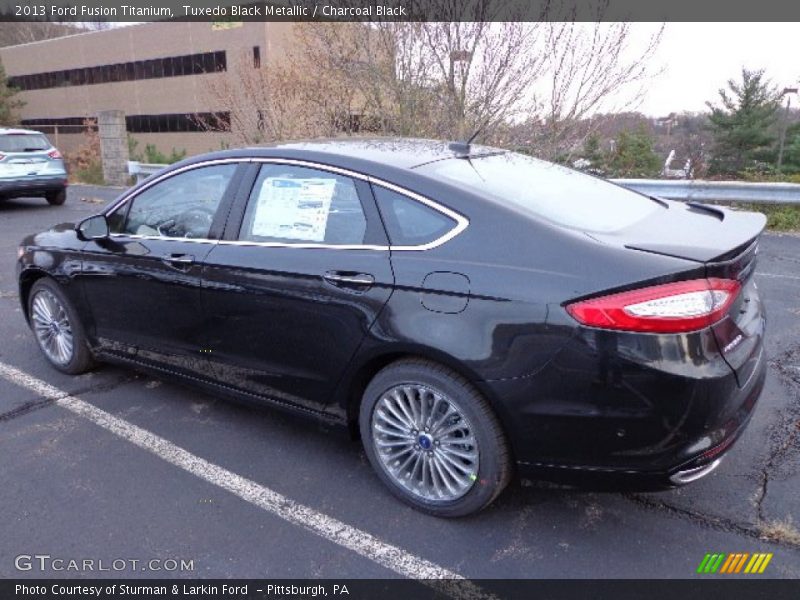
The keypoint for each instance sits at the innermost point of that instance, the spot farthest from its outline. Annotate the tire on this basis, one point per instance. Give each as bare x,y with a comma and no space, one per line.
47,303
472,430
56,198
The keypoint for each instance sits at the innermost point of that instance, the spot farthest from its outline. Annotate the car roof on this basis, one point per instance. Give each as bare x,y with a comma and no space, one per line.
387,152
14,131
405,153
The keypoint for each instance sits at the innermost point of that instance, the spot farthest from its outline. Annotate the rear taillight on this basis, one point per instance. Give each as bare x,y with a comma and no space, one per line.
2,156
54,154
668,308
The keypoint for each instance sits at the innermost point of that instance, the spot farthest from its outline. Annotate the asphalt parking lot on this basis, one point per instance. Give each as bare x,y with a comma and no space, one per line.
164,472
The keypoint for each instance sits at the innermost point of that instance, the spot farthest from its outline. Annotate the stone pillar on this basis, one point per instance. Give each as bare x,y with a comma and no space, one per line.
113,146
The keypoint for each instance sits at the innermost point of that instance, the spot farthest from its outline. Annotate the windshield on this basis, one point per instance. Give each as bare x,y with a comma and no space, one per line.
546,190
23,142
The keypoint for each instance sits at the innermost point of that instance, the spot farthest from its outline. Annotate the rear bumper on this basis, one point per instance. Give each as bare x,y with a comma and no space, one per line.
32,186
600,416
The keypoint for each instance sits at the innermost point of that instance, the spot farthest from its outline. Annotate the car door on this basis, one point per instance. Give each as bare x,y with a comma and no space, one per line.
296,284
143,283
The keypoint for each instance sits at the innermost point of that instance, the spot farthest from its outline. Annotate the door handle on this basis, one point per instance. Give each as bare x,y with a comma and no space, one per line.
349,279
178,260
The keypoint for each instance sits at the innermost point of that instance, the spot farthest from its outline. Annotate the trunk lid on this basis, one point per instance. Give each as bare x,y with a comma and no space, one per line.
25,164
693,231
25,154
725,241
740,335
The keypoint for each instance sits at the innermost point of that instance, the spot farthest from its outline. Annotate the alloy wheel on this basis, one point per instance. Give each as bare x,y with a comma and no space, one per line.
425,443
52,327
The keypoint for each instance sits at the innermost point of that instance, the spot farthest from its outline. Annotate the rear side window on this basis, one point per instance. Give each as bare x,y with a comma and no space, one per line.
23,142
542,189
409,222
300,205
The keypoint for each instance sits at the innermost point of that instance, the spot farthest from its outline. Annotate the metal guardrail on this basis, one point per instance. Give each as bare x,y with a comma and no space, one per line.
716,191
674,189
143,170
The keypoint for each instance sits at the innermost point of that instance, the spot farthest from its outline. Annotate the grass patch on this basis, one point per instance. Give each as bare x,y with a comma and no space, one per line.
781,531
780,217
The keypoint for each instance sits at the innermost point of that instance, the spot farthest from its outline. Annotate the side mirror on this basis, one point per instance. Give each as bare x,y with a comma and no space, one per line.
93,228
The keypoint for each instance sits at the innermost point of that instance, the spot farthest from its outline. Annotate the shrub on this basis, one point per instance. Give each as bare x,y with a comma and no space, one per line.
85,164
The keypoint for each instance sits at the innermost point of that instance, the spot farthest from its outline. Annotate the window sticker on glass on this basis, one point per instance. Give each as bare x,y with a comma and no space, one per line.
294,208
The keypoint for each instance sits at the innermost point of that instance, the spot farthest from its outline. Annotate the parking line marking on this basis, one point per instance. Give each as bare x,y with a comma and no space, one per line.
329,528
778,275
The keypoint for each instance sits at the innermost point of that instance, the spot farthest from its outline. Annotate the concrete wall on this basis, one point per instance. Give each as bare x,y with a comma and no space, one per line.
113,146
184,94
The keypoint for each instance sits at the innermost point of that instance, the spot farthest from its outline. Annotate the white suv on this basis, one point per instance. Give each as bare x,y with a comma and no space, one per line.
31,166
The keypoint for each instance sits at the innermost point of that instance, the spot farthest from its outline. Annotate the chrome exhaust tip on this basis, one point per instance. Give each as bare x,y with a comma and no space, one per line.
689,475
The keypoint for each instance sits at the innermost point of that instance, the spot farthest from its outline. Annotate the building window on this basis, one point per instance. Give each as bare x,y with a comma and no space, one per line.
170,66
161,123
177,122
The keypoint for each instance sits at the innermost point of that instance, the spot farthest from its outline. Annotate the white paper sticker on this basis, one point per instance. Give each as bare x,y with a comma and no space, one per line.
295,209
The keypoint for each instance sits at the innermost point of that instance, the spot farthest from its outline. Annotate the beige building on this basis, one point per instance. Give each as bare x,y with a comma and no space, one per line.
157,73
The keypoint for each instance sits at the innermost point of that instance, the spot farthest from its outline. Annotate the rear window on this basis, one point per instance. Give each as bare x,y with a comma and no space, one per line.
23,142
546,190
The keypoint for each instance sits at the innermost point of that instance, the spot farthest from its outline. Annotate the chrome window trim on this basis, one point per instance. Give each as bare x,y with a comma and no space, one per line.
162,238
305,245
461,221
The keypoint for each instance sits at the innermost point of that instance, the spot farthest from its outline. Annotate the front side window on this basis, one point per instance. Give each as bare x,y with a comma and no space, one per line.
300,205
182,206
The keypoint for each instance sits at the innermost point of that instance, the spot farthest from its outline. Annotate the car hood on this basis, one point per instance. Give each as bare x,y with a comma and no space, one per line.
690,231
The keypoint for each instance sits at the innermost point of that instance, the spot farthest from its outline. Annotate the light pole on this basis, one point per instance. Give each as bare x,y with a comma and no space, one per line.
786,92
458,56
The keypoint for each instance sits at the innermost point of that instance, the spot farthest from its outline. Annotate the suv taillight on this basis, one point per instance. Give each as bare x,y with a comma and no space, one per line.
54,154
669,308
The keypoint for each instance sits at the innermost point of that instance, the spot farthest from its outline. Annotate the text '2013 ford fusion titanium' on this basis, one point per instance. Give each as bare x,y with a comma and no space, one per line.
470,312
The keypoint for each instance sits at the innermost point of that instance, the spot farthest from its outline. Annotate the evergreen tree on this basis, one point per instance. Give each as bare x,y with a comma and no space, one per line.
791,154
592,151
742,124
633,155
8,101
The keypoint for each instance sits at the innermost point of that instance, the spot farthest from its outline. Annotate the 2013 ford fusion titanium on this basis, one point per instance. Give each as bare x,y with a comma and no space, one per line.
469,311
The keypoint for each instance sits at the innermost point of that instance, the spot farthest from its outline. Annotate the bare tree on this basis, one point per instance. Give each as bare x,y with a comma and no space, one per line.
277,101
590,69
442,79
24,32
445,79
486,72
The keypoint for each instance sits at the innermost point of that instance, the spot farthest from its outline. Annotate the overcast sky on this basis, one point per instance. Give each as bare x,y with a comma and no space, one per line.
699,58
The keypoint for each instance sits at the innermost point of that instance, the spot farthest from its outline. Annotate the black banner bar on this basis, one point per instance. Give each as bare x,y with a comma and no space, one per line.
398,10
705,588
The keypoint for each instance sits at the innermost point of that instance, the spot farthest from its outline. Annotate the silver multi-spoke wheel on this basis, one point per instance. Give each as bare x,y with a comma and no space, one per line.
425,443
52,327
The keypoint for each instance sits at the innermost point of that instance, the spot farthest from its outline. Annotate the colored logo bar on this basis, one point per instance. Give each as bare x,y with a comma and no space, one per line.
741,562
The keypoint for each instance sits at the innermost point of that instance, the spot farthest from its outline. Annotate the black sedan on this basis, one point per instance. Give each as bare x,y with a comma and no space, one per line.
468,311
